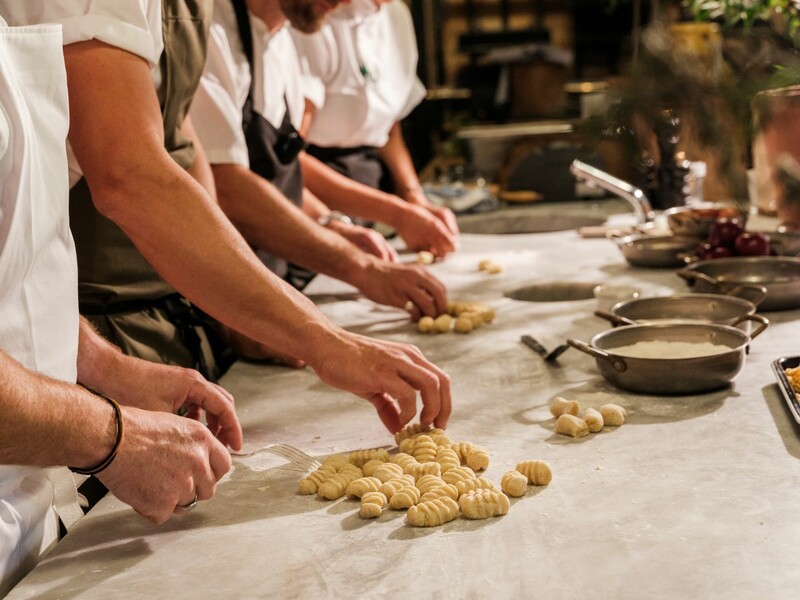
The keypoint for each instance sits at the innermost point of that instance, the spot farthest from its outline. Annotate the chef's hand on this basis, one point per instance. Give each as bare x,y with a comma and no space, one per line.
368,240
416,196
396,284
156,387
164,461
421,230
386,374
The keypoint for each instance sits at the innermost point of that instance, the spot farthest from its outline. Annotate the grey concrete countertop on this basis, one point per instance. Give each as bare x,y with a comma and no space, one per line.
694,497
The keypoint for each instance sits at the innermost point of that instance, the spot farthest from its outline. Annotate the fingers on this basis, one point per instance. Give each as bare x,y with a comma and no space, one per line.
388,412
434,386
217,402
219,459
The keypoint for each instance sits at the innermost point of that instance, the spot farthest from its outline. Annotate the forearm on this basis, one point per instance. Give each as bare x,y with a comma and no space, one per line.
200,169
49,422
313,206
271,223
398,160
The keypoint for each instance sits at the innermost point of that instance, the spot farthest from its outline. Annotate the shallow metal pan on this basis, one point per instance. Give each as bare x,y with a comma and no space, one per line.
654,251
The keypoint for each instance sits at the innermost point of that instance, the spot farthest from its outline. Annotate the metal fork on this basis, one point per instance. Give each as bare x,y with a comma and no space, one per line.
297,457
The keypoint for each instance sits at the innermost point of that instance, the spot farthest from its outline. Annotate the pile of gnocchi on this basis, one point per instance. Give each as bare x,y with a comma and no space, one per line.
461,317
593,420
431,477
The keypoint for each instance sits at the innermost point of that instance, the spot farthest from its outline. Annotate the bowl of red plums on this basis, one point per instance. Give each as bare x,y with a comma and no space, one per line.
696,221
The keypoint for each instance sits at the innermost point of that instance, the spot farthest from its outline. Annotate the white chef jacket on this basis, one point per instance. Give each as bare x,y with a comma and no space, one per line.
131,25
362,76
38,269
216,110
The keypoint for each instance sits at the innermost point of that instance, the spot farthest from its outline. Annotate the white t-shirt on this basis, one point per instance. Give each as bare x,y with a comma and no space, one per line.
38,268
362,76
216,110
131,25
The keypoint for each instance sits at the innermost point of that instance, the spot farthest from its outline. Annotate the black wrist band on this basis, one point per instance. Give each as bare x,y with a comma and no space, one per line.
104,464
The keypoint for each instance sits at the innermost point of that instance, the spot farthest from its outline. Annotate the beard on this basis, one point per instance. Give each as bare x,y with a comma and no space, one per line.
306,15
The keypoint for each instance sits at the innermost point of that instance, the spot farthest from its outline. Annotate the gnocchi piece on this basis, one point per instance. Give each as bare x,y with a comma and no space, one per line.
470,485
420,469
440,439
488,315
478,459
427,482
425,258
447,490
613,414
359,457
404,498
391,487
407,445
335,486
463,325
484,503
432,513
362,485
447,459
387,471
410,431
594,420
484,264
335,461
425,324
475,319
494,268
458,474
562,406
514,483
404,460
538,472
372,504
442,323
310,484
424,449
369,467
571,425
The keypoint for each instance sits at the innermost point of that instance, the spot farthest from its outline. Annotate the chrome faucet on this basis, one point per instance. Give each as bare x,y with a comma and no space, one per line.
635,197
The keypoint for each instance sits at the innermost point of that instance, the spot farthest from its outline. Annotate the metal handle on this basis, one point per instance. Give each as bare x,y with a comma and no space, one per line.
534,345
691,276
615,319
759,291
615,235
635,197
760,319
616,362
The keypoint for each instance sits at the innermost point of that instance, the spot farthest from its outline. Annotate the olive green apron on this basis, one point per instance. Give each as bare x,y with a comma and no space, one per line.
119,291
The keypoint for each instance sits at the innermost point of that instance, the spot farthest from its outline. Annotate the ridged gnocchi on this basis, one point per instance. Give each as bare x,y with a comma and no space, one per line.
514,483
424,449
387,471
404,498
391,487
447,459
458,474
362,485
447,490
432,513
470,485
538,472
484,503
372,504
420,469
359,457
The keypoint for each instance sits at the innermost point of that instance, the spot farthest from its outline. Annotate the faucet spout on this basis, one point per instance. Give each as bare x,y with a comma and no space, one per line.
635,197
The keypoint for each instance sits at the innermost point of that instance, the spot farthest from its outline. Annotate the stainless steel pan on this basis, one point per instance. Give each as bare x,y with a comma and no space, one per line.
659,251
668,376
739,276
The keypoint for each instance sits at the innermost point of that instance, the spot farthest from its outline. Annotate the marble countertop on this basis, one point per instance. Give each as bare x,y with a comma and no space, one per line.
694,497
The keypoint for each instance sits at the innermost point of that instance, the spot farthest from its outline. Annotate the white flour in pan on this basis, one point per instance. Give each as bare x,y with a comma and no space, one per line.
664,349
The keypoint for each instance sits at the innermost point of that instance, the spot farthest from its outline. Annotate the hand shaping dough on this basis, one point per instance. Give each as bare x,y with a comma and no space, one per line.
594,420
613,414
514,483
432,513
571,425
562,406
538,472
359,487
372,504
484,503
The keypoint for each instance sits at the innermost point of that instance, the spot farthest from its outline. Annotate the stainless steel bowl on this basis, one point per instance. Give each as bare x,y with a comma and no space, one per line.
695,221
741,276
654,251
668,376
716,309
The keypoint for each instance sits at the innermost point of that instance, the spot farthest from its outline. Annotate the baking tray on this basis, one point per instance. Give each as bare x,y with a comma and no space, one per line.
779,366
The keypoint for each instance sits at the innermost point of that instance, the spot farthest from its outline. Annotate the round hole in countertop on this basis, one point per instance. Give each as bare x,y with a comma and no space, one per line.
554,291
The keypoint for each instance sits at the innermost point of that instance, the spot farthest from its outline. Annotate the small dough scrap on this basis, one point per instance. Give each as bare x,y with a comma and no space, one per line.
538,472
459,474
447,458
425,258
561,406
362,485
410,431
484,264
424,449
514,483
372,504
387,471
447,490
432,513
442,323
391,487
470,485
425,324
404,498
463,325
572,426
420,469
594,420
359,457
484,503
613,414
493,269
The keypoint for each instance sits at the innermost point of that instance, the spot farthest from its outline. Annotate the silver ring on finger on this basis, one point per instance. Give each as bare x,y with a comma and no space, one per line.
185,508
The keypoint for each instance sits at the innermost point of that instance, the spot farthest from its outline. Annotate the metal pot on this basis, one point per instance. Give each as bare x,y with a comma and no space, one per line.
668,376
741,276
654,251
717,309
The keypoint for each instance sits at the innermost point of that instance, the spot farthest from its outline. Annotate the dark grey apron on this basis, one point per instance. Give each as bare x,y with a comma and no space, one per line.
119,291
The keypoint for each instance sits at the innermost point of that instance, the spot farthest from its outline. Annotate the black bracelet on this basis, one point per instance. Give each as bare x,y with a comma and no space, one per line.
106,462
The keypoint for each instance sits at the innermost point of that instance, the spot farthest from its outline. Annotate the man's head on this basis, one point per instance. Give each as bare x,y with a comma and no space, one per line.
308,15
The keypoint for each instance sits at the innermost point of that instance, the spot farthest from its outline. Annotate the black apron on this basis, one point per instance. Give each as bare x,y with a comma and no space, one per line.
119,291
361,163
270,154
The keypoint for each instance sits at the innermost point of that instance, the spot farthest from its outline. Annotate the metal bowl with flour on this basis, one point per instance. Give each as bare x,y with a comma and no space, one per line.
668,376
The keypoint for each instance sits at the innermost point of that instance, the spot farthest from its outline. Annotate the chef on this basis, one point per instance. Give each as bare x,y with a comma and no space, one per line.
248,160
361,82
138,216
44,348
